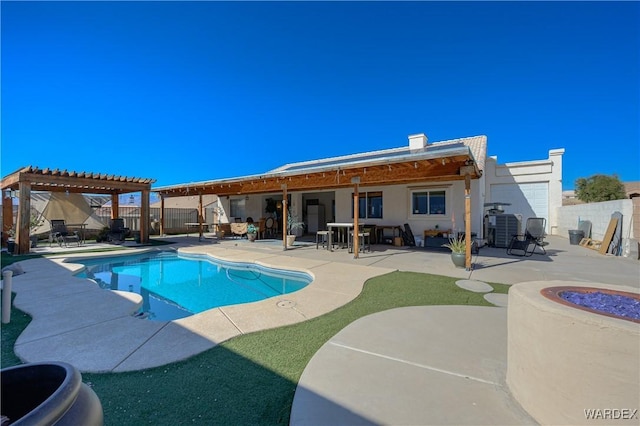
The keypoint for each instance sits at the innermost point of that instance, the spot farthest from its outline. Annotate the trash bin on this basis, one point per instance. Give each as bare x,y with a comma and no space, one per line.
575,236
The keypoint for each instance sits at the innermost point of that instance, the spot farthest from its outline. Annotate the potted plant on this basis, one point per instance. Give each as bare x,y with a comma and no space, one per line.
48,393
11,241
458,247
252,232
102,235
292,225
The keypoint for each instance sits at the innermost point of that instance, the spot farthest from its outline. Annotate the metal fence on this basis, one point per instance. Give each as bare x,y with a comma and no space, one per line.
174,218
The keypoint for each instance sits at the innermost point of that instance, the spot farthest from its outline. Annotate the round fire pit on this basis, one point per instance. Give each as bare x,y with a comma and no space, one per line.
571,350
612,303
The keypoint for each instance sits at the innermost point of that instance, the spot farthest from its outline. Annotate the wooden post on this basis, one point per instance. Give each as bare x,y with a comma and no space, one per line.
24,218
115,206
200,215
285,210
145,211
7,215
467,220
161,215
356,215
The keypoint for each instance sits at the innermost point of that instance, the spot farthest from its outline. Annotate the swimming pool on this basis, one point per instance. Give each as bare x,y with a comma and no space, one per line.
175,286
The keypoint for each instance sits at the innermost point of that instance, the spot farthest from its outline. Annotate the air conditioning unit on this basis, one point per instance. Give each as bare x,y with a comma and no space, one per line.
500,229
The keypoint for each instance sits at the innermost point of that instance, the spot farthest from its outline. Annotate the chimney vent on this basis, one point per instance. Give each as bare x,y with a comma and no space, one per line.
418,141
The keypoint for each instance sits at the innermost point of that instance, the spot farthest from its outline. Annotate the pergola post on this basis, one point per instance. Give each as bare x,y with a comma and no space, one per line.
115,205
161,215
7,215
467,221
200,215
356,216
24,218
145,211
285,214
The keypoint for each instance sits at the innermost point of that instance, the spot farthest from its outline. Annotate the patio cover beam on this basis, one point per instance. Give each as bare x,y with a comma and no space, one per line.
431,170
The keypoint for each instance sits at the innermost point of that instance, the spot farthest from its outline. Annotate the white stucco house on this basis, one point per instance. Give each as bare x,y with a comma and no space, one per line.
422,184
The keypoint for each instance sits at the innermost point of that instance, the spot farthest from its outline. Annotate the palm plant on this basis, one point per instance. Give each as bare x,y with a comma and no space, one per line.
293,223
456,245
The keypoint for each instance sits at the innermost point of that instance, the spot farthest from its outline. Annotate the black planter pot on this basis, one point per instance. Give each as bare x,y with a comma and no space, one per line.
47,394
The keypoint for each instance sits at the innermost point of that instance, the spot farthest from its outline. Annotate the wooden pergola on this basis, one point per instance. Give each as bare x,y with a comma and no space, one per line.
455,163
31,178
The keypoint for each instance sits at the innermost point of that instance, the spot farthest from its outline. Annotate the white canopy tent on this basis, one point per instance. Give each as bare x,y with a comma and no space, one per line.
74,208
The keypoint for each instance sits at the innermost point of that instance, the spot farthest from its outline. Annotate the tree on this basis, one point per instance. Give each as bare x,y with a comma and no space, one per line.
599,188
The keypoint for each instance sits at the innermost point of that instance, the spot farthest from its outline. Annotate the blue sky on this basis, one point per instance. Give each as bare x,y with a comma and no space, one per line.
191,91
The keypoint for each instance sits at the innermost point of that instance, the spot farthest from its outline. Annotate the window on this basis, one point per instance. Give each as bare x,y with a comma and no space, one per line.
236,207
369,205
428,202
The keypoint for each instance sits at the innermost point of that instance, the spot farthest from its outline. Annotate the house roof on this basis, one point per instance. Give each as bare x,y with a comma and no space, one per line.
440,161
632,188
476,144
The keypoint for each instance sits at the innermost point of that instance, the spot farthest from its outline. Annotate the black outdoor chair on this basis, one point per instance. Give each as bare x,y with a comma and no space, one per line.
60,234
533,237
118,232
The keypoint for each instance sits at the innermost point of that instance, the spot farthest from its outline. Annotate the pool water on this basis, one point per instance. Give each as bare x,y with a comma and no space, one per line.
175,286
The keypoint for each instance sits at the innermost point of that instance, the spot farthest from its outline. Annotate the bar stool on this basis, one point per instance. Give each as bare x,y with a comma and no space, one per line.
364,238
324,235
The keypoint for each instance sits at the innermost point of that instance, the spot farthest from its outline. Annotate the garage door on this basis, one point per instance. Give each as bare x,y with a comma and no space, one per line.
527,199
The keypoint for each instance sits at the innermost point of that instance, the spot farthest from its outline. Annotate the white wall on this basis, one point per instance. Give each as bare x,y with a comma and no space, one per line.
599,214
397,204
536,171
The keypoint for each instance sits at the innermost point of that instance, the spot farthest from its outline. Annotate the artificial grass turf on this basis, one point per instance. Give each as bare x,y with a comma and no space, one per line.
18,321
251,379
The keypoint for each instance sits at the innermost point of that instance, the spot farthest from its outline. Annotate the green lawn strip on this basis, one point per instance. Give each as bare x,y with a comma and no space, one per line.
10,332
251,379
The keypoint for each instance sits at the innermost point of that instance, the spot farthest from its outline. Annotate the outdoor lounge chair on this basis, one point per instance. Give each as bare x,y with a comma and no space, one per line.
60,234
118,231
533,237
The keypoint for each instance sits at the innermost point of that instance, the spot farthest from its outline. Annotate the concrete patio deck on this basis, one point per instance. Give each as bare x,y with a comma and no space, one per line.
376,370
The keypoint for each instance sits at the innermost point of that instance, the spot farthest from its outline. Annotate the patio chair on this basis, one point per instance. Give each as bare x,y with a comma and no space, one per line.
269,225
60,234
322,237
364,240
533,237
261,228
118,232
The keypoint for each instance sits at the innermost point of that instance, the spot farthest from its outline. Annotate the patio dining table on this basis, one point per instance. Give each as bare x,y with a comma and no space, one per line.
342,229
